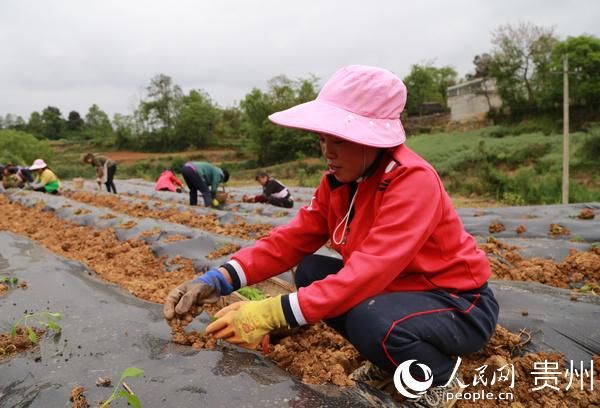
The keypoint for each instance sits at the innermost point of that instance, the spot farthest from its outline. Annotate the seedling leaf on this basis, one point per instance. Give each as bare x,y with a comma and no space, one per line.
134,401
32,336
131,372
53,325
13,330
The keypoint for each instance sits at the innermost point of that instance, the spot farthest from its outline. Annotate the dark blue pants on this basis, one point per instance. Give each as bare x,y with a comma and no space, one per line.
196,183
431,327
110,175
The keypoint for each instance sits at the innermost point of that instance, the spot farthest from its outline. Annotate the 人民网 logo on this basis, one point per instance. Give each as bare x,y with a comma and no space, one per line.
407,385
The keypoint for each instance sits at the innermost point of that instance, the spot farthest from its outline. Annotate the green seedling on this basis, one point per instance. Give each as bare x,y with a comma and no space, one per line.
45,319
590,288
126,392
251,293
11,281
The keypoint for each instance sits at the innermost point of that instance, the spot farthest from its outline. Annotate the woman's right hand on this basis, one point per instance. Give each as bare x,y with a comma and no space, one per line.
191,293
206,288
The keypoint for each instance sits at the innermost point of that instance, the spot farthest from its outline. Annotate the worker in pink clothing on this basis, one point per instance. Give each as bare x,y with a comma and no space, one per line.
168,181
410,283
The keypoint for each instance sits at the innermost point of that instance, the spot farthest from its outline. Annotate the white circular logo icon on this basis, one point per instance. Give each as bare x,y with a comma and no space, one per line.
407,385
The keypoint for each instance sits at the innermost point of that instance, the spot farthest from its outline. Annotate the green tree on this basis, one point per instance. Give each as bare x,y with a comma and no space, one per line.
196,120
426,83
584,62
35,125
74,121
521,62
53,121
271,143
162,104
124,130
97,124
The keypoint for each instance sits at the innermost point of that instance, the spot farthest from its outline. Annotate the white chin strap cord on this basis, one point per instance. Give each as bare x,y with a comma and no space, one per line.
346,219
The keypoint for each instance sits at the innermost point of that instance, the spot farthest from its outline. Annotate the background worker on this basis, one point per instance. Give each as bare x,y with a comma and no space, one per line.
45,179
105,170
411,282
204,177
274,192
15,176
168,181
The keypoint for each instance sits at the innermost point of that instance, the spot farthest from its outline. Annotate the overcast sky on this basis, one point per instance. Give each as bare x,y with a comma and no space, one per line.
74,53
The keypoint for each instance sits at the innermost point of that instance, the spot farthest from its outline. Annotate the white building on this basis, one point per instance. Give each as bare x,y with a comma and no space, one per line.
472,100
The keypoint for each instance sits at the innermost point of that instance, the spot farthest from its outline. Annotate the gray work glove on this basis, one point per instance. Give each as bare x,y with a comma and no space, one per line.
206,288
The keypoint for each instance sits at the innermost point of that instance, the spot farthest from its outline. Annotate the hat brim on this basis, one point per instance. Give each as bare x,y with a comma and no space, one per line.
34,167
322,117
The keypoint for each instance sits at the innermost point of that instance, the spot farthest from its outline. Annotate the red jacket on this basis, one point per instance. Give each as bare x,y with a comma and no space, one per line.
404,236
167,180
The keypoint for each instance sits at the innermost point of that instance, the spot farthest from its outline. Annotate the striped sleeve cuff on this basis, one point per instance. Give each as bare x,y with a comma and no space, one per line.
238,277
291,310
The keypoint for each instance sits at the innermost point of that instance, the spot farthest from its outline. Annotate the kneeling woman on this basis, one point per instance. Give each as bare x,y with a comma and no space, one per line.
45,179
411,283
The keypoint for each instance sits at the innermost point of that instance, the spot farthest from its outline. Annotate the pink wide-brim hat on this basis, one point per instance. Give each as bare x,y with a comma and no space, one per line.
38,164
359,103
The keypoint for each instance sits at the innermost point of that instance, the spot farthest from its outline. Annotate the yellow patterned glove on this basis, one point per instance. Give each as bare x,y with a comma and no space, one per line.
246,323
215,202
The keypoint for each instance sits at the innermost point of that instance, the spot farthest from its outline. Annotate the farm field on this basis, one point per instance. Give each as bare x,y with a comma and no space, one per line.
106,262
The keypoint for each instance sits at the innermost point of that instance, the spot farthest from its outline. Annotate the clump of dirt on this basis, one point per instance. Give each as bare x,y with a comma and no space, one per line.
558,230
175,238
81,211
577,269
586,214
521,229
224,250
3,289
496,227
11,345
207,222
195,339
77,398
107,216
150,233
317,355
127,225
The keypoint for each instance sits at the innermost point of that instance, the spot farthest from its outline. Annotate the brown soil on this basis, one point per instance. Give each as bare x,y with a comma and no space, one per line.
209,222
557,230
578,267
3,289
11,345
77,398
586,214
195,339
520,229
316,354
130,264
175,238
222,251
128,157
496,227
502,352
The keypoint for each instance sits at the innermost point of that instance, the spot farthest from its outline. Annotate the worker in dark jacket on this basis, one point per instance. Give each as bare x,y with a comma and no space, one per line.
274,192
